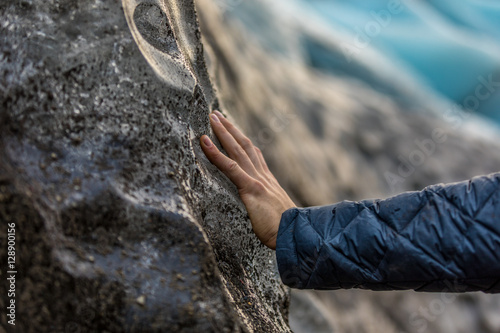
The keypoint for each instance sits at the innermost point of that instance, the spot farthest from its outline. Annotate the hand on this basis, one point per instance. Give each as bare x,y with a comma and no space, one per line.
263,197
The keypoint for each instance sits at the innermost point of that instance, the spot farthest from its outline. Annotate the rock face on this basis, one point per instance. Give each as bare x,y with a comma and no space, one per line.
122,224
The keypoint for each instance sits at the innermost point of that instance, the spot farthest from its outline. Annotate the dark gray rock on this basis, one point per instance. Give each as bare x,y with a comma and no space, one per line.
122,224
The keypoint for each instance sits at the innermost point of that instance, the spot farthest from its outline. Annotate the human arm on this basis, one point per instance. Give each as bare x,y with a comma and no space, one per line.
444,238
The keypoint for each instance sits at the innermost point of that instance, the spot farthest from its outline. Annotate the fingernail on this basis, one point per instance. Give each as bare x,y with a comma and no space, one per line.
215,118
218,113
207,141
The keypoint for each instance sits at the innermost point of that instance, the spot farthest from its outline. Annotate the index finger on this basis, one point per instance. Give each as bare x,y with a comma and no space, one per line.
243,141
229,167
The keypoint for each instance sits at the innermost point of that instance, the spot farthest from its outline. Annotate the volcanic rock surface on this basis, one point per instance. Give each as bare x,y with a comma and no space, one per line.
123,225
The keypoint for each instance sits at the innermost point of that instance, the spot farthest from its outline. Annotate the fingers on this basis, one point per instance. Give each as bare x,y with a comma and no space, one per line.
231,145
242,140
229,167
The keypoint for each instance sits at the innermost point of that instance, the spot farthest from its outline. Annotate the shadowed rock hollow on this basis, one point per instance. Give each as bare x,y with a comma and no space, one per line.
122,224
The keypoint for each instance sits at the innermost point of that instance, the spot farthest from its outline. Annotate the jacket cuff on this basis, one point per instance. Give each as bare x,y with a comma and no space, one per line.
297,248
286,251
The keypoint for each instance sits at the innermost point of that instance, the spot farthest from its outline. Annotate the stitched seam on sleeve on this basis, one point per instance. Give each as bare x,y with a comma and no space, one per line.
315,265
320,249
294,222
465,234
495,284
474,218
484,203
426,193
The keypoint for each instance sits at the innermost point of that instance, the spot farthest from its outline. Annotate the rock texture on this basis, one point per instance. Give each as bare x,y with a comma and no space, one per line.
122,224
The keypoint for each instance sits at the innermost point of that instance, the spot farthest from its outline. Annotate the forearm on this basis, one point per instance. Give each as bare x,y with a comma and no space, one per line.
444,237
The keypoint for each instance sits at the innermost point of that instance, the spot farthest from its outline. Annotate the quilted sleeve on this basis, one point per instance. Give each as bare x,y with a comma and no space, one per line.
444,238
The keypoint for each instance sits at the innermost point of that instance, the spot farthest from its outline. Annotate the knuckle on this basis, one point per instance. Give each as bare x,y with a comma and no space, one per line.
253,188
247,143
238,151
232,166
259,152
258,187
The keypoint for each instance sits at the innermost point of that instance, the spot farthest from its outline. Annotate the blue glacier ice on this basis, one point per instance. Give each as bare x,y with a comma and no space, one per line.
452,45
449,49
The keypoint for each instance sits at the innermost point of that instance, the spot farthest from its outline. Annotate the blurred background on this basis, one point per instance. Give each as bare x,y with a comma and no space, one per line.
443,48
336,93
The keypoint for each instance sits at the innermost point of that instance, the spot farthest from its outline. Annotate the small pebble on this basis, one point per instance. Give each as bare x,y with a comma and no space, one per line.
75,138
141,300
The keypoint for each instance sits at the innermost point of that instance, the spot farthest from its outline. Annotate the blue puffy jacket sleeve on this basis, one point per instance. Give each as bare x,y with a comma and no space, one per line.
444,238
